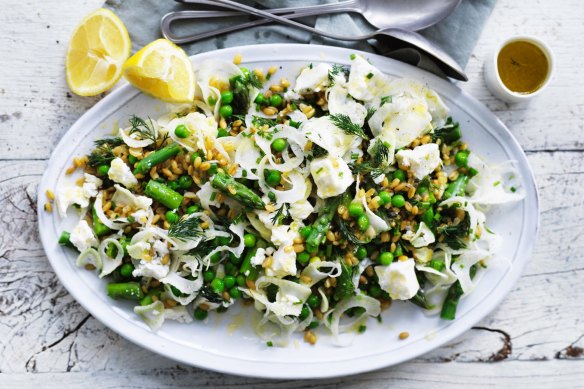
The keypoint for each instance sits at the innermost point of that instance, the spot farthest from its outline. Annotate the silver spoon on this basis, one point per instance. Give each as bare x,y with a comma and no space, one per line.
410,15
384,37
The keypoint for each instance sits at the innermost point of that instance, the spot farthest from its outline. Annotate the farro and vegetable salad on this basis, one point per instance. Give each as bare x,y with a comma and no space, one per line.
316,203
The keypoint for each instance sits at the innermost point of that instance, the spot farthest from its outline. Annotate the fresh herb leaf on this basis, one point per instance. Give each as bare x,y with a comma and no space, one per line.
335,71
370,112
455,235
344,123
318,151
144,128
112,142
346,232
449,133
281,214
385,99
378,162
186,229
211,296
344,286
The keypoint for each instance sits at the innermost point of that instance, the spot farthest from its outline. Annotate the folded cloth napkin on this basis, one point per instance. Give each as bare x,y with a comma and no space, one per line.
457,34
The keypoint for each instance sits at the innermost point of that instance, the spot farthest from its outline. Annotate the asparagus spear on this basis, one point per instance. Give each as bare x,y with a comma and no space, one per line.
125,290
449,133
163,194
456,187
237,191
453,296
99,228
321,226
65,239
156,158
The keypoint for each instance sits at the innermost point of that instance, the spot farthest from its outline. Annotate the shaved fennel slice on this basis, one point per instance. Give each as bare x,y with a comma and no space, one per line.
237,229
461,267
270,328
289,298
131,139
324,303
476,217
153,314
117,224
89,257
494,183
110,264
177,278
246,156
372,308
313,273
360,269
296,185
179,314
296,141
444,277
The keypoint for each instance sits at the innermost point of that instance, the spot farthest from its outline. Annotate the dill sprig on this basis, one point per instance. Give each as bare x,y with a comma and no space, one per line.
186,229
144,128
346,232
344,123
455,235
370,112
318,151
335,71
281,214
378,162
258,120
103,153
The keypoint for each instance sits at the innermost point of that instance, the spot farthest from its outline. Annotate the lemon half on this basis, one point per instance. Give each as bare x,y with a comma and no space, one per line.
97,51
162,70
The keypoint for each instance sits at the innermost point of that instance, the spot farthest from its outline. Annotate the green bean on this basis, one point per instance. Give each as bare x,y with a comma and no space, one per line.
163,194
237,191
156,158
125,290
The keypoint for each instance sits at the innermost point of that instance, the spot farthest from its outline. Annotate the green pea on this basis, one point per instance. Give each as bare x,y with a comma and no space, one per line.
226,97
171,217
363,222
182,131
279,145
356,209
385,259
374,291
272,196
195,155
461,158
260,99
249,240
273,178
240,280
126,270
222,133
185,182
400,175
304,313
398,201
361,252
217,285
216,257
102,170
313,301
200,314
212,100
208,275
132,159
276,100
305,232
303,257
172,185
229,282
230,269
213,169
235,293
192,209
226,111
385,197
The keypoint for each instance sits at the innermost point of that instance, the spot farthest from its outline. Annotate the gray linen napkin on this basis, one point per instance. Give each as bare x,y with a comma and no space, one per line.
457,34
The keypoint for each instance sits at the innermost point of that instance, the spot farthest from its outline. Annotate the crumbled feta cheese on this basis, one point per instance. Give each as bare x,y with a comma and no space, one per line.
423,255
259,257
283,263
283,235
331,175
91,185
67,196
120,172
340,102
141,216
139,250
83,237
300,210
422,160
312,78
406,117
124,197
365,80
146,264
330,137
398,279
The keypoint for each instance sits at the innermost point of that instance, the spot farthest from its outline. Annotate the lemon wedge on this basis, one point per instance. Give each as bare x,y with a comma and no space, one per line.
162,70
97,51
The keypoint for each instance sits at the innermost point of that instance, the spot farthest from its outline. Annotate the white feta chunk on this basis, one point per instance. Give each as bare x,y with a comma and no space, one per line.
365,80
300,210
330,137
398,279
67,196
331,175
283,263
83,237
120,172
341,103
422,160
313,78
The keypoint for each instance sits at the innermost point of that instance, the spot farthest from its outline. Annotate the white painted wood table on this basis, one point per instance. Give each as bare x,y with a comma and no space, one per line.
534,339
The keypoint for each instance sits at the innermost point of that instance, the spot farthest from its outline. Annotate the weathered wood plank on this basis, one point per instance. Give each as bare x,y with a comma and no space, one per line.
556,374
